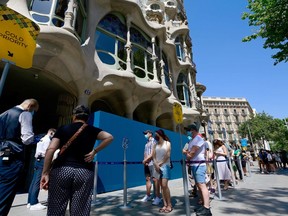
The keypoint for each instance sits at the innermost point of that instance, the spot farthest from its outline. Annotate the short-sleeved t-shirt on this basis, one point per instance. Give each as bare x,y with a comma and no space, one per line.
200,154
82,145
148,148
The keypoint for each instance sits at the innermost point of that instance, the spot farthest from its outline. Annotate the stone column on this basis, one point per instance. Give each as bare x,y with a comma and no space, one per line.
128,45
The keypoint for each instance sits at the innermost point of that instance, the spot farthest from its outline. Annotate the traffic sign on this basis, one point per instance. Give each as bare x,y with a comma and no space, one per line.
17,37
177,113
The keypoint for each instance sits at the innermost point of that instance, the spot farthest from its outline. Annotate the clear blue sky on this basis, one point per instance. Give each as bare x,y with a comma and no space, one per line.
227,66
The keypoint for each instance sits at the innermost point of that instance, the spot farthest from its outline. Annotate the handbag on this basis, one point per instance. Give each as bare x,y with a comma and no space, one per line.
68,143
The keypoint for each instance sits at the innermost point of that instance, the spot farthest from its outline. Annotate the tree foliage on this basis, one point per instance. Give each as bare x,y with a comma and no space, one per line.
264,126
271,19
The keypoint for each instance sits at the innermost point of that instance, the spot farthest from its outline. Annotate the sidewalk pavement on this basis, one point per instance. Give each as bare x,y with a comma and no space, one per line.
259,194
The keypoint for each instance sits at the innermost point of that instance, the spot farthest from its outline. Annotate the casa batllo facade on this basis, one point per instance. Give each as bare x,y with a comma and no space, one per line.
130,58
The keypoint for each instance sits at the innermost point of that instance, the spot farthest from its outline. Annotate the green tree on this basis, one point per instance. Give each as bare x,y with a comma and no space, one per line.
264,126
271,19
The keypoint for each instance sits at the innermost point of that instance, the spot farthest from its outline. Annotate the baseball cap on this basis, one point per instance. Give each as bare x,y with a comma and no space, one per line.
147,131
191,127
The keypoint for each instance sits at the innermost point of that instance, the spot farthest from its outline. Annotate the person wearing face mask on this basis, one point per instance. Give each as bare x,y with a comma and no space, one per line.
16,131
191,180
148,169
161,158
42,145
196,156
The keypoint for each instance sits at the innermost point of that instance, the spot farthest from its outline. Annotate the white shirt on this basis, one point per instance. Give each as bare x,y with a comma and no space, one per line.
42,145
200,154
25,120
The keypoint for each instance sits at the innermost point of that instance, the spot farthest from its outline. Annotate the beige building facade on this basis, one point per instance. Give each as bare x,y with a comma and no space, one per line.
130,58
224,115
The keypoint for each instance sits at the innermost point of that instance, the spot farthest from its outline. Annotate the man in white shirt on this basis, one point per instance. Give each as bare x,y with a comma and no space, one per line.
42,145
196,156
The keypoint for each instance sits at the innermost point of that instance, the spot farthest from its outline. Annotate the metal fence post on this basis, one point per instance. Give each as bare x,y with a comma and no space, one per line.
125,146
217,179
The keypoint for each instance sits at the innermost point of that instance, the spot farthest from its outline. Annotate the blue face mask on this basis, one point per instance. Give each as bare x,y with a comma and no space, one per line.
146,136
189,133
189,138
32,112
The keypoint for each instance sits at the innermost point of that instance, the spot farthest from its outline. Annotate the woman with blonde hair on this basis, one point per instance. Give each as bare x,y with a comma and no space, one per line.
220,153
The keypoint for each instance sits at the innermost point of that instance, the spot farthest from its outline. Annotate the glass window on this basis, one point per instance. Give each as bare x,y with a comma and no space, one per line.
111,40
166,71
179,48
40,6
155,7
105,46
183,90
41,9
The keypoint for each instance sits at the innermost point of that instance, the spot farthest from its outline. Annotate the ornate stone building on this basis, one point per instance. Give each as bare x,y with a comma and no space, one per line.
130,58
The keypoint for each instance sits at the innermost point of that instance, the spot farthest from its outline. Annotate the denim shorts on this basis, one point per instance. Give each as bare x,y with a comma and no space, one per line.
165,172
199,173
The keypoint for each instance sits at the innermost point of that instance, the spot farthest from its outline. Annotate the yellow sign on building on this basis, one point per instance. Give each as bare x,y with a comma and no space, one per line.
177,113
17,37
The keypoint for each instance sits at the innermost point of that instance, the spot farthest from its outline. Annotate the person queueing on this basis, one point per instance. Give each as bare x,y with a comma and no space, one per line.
161,159
16,131
34,189
220,153
196,156
71,177
148,169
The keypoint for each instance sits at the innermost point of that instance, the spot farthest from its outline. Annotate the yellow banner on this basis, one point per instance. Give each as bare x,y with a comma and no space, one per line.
17,37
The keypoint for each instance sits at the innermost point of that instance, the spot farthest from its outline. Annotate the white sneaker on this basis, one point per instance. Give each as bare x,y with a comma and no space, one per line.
28,205
37,207
146,198
156,201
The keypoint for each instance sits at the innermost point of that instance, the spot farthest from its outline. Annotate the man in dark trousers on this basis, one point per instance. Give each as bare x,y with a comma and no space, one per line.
16,131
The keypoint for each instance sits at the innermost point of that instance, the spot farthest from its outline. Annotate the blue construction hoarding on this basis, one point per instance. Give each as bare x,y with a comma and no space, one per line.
110,160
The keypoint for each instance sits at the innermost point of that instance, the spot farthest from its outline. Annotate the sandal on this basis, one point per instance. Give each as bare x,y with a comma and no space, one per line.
168,210
163,209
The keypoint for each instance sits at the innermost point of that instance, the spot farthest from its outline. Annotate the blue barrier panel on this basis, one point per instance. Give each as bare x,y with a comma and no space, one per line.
110,160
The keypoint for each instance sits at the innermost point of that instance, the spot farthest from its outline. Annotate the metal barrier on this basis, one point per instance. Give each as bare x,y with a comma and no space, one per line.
125,163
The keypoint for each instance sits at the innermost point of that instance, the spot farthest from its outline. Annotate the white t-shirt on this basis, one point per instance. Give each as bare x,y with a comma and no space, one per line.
200,154
42,145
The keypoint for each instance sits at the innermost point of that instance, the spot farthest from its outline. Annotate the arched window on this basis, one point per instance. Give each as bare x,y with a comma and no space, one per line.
111,38
179,48
183,90
155,6
52,13
142,63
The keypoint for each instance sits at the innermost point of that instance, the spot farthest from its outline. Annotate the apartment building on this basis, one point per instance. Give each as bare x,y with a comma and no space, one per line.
225,114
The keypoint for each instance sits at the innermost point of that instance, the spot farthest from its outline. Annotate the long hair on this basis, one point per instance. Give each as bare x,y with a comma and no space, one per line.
161,133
